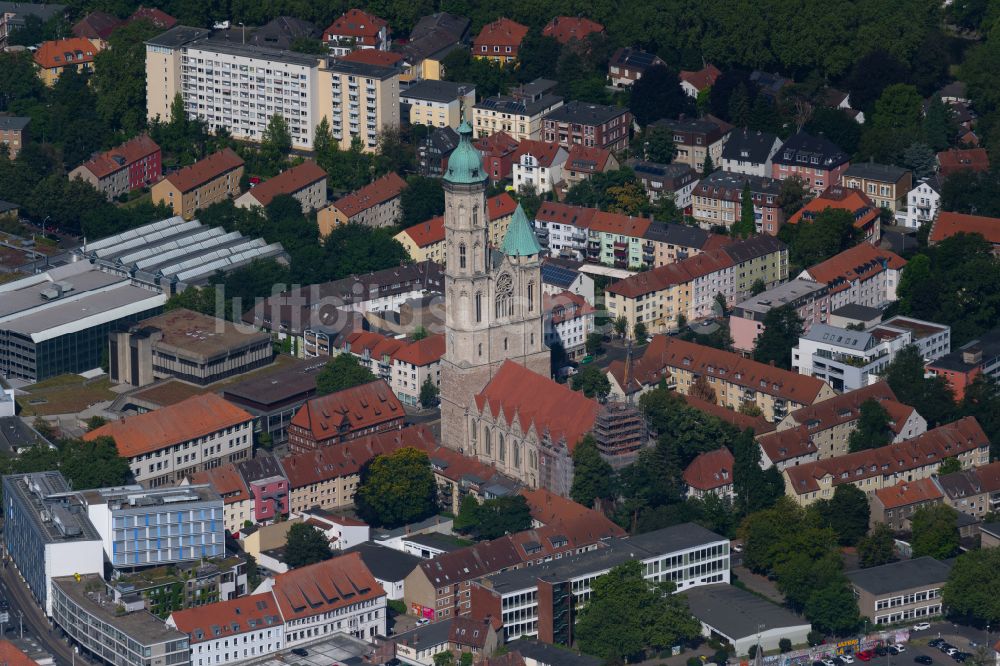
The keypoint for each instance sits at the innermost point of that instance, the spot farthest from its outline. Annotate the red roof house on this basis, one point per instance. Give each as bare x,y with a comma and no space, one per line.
710,473
499,40
345,415
564,29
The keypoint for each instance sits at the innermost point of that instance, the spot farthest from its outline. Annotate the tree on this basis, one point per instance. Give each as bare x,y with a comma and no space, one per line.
422,199
938,125
593,382
621,326
896,123
658,145
276,143
833,608
93,464
468,514
930,396
119,78
870,77
755,488
793,196
702,390
445,658
973,591
396,489
95,422
429,393
847,514
594,344
832,231
920,158
593,477
342,372
419,333
628,616
782,328
658,94
949,466
639,332
707,167
872,430
877,548
982,401
747,224
785,645
305,545
935,531
356,248
758,287
496,517
537,55
837,126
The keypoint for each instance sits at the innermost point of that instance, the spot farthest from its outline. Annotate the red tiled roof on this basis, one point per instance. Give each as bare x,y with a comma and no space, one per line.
742,421
855,202
616,223
467,631
703,78
288,181
62,52
566,28
203,171
537,401
908,492
710,470
227,618
104,164
354,408
374,57
970,159
226,480
861,262
587,159
845,408
427,233
785,445
677,273
565,306
496,144
989,477
324,587
96,25
502,32
157,17
375,345
500,206
561,513
422,352
950,224
360,25
385,188
10,655
189,419
542,151
578,216
929,448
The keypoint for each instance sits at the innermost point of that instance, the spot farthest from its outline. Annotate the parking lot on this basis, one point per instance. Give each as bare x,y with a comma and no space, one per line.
964,639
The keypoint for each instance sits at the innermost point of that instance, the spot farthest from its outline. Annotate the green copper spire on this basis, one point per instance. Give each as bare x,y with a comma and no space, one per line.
520,240
465,165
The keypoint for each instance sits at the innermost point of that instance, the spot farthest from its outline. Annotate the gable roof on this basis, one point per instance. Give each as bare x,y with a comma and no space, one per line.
203,171
496,144
782,445
908,492
500,206
533,400
378,192
62,52
422,352
949,224
634,59
227,618
758,424
617,223
427,233
104,164
803,148
502,32
955,160
157,17
562,513
855,202
749,146
360,25
565,306
861,262
189,419
349,410
587,159
96,25
846,407
710,470
12,656
324,587
542,151
373,57
553,211
702,78
225,480
566,28
288,181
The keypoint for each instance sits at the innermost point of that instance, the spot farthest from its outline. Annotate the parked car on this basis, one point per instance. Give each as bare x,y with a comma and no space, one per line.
899,647
848,658
865,655
828,662
301,652
921,626
881,650
951,650
923,659
937,642
838,661
422,621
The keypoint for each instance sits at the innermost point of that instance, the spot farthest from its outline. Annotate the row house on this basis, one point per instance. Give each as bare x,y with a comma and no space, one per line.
810,300
538,166
867,216
590,125
717,201
520,114
134,164
374,205
906,461
617,240
666,180
404,364
499,41
696,139
750,152
196,187
894,506
499,151
345,415
568,320
356,29
268,486
974,492
627,65
886,185
306,183
816,161
228,632
562,229
861,275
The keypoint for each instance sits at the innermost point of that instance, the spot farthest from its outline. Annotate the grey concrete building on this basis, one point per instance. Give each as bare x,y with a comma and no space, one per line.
900,591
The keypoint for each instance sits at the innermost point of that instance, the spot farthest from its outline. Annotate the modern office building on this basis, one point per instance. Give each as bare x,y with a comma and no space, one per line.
140,527
901,591
105,629
47,533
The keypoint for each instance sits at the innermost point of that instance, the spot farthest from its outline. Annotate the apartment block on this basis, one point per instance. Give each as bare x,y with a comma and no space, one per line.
810,300
232,631
374,205
13,134
345,415
855,202
589,125
568,320
717,201
133,164
359,99
885,184
208,181
499,41
696,139
438,103
520,114
55,56
305,182
816,161
665,180
861,275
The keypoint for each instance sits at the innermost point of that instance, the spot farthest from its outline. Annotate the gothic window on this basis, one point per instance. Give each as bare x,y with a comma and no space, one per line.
532,340
475,216
461,255
480,348
487,444
516,450
475,434
533,457
479,306
531,297
477,257
502,449
505,344
505,296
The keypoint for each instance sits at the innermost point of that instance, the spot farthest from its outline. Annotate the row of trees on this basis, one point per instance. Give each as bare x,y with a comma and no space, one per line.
94,464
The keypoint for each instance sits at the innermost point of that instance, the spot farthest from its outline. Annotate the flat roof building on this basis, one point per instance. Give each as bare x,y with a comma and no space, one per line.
743,619
901,591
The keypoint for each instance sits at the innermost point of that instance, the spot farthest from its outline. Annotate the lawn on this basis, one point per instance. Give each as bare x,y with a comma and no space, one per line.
65,394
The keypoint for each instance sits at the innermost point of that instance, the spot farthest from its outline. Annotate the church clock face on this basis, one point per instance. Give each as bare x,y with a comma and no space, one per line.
505,285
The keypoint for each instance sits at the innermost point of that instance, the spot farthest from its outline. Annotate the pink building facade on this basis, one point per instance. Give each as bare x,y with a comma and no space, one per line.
809,299
270,497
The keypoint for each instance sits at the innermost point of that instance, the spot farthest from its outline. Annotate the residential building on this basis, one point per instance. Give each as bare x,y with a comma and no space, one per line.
115,172
582,163
832,98
339,594
710,473
267,485
424,241
237,502
955,160
433,152
389,566
280,33
520,114
894,506
14,134
305,182
166,445
631,377
558,277
140,527
374,205
195,187
693,83
52,57
872,469
432,38
157,17
589,125
949,224
94,622
627,65
974,492
885,184
745,620
539,166
373,351
866,214
499,151
618,240
717,201
413,365
543,600
565,29
673,180
563,229
902,591
357,29
861,275
252,624
499,41
362,100
47,533
676,242
989,534
696,139
961,367
14,14
810,300
569,319
388,59
438,103
750,152
923,203
345,415
816,161
185,344
848,359
823,430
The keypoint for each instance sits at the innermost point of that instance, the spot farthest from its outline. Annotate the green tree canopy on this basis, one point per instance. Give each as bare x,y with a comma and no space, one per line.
305,545
493,518
658,94
422,199
877,548
810,242
342,372
593,381
847,513
930,396
397,489
782,328
872,430
935,531
972,592
93,464
593,478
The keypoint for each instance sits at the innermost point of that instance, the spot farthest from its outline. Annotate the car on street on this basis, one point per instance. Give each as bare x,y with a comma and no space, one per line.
923,659
422,621
921,626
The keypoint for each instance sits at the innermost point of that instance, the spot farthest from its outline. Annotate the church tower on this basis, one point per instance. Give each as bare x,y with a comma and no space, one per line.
493,296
